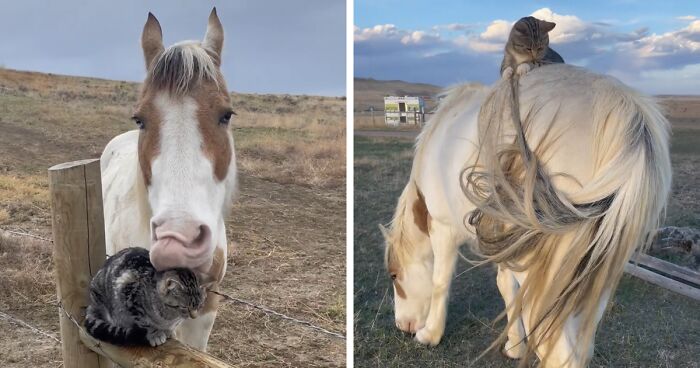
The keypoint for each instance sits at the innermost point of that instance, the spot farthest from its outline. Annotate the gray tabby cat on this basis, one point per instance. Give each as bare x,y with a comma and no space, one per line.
133,304
528,46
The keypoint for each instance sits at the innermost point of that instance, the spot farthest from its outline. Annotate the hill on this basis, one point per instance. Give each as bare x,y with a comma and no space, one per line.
288,216
371,92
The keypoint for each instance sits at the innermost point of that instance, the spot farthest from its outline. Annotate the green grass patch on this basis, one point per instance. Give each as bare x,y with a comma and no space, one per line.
646,326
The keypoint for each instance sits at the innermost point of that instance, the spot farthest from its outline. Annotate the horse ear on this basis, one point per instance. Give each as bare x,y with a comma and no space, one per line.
385,232
206,281
151,40
547,26
214,38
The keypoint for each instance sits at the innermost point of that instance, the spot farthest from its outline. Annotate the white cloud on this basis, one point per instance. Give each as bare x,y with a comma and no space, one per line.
417,37
683,44
454,27
569,28
638,57
380,30
498,30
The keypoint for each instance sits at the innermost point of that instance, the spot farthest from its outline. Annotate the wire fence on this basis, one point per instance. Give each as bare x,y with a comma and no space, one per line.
227,297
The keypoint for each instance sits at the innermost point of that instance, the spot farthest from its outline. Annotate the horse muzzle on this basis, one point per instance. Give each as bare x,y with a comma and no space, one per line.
181,242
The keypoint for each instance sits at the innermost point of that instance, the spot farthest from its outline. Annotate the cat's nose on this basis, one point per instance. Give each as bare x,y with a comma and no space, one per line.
179,241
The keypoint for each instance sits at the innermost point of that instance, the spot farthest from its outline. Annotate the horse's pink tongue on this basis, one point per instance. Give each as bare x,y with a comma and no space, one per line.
168,252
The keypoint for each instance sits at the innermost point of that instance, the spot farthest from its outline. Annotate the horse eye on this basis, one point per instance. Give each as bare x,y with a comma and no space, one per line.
139,122
393,277
226,118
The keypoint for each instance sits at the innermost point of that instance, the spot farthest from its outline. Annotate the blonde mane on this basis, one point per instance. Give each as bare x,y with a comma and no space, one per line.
522,217
183,66
561,224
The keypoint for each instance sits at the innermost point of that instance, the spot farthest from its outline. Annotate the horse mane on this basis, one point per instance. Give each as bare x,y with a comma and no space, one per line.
522,219
401,236
455,97
182,67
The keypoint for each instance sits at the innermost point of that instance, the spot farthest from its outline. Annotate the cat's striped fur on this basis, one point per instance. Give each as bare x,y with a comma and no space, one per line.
133,304
528,43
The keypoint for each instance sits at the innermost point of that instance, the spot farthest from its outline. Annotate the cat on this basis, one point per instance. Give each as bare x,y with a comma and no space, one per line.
133,304
528,46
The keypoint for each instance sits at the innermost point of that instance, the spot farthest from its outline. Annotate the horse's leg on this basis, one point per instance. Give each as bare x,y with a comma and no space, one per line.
516,346
445,255
566,352
195,332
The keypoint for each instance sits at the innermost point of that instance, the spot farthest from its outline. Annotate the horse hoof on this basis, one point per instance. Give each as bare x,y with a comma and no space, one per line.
428,337
514,351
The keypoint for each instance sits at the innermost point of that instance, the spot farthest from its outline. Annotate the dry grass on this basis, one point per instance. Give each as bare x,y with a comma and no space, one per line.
23,198
27,270
47,119
646,326
288,219
293,148
364,121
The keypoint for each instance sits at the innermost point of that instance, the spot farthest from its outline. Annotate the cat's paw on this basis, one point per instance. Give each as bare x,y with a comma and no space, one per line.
522,69
156,337
507,73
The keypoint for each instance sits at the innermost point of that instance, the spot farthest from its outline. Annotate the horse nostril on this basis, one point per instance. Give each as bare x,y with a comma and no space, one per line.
203,234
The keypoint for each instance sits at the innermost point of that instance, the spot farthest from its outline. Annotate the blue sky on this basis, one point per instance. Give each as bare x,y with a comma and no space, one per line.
271,46
652,45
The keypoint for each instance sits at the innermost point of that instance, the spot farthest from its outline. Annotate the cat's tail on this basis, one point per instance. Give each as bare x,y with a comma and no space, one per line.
99,327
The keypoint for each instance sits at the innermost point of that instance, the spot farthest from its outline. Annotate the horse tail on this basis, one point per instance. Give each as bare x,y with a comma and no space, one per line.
574,246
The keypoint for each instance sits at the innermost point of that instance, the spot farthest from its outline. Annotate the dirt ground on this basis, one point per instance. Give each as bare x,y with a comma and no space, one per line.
287,226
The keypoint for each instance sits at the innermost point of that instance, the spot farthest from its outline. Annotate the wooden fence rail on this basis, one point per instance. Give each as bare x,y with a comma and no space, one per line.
79,251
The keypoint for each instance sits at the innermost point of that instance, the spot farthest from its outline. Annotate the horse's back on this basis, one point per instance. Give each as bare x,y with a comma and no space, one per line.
568,114
123,194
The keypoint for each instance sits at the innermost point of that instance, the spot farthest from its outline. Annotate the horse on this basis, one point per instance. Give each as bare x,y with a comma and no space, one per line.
167,185
559,226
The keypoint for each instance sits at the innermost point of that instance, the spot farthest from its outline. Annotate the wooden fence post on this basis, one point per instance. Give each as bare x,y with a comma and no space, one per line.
79,249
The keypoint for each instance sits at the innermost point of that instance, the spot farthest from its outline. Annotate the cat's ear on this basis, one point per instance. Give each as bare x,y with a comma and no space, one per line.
171,284
521,26
546,26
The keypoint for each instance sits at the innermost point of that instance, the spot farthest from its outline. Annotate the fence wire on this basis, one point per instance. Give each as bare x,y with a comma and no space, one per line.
229,298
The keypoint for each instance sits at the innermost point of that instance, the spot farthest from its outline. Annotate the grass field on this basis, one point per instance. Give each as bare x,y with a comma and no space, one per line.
287,224
645,326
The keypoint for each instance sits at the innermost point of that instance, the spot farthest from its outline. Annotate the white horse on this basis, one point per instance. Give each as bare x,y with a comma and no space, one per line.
167,186
560,230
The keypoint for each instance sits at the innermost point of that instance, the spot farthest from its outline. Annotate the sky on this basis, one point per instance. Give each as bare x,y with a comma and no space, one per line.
270,46
648,44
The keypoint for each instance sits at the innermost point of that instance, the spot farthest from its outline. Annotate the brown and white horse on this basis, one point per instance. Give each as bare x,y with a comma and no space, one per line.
560,230
167,186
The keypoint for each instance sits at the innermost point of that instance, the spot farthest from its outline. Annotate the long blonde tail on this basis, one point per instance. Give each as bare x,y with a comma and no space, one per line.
521,218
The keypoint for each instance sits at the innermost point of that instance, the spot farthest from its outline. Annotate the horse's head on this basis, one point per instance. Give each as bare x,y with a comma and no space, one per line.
185,148
409,261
